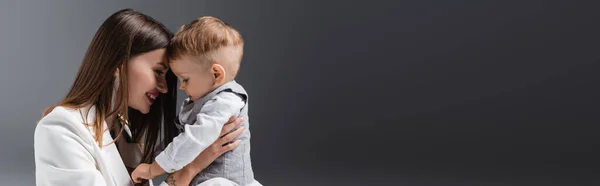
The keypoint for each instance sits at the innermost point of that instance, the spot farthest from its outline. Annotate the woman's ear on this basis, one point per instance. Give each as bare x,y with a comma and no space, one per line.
218,73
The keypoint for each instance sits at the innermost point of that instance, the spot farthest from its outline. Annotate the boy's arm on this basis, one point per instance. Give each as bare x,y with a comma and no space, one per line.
197,137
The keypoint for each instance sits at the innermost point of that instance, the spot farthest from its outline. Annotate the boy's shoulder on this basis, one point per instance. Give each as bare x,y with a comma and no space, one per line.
232,88
229,97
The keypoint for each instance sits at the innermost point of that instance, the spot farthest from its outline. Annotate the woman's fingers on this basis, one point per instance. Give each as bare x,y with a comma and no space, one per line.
230,125
230,146
231,120
234,119
229,137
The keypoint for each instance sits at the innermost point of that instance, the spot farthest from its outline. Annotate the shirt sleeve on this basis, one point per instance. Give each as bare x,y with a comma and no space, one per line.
62,157
198,136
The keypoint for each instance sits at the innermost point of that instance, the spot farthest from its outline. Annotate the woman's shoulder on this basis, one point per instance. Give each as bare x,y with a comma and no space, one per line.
59,122
59,116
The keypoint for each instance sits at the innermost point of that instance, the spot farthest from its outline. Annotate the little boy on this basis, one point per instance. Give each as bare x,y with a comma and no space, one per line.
206,55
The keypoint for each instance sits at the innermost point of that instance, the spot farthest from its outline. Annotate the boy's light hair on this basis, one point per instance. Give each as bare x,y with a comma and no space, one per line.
211,41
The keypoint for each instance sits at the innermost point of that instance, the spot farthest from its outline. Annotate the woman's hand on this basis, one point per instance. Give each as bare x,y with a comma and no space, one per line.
223,144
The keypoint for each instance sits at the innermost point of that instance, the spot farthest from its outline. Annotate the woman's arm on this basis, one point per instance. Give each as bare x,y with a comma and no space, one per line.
223,144
62,157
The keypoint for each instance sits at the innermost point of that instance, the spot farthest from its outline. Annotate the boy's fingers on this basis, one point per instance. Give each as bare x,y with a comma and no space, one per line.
135,178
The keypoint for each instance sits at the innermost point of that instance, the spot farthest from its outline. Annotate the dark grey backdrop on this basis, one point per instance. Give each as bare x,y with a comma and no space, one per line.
427,92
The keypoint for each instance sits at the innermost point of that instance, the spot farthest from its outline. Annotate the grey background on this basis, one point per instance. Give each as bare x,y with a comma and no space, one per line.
427,92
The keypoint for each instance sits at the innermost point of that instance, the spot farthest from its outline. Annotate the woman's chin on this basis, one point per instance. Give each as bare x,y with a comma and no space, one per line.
145,110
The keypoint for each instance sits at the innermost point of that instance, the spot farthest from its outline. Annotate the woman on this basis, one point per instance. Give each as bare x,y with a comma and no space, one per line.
122,94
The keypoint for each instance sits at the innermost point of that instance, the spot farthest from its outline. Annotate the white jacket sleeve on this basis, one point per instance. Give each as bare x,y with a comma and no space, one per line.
63,158
199,135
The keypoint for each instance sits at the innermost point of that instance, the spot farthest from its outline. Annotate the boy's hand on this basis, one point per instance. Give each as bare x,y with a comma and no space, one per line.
141,172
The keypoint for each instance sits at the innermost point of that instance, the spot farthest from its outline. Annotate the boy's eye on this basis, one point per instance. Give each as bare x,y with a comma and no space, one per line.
185,80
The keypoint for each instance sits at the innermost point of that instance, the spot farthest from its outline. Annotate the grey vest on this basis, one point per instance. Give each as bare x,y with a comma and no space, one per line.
234,165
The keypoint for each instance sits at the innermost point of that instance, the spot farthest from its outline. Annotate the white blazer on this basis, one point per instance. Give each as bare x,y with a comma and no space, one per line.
66,153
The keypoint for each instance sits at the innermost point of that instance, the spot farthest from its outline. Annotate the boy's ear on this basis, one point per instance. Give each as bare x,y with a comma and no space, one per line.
218,73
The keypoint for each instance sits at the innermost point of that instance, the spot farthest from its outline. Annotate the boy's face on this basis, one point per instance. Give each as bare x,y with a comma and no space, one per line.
195,79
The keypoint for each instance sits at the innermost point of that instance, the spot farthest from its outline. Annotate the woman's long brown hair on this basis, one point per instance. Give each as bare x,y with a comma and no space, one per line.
123,35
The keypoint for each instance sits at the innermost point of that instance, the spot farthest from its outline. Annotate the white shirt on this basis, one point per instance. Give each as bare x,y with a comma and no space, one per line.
199,135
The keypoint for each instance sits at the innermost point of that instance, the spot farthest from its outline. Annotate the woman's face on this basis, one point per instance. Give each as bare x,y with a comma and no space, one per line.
146,79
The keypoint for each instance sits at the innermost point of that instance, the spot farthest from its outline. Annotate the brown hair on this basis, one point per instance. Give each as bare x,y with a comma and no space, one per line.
123,35
204,36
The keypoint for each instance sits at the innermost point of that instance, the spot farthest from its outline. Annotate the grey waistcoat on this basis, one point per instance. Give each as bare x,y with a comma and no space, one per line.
234,165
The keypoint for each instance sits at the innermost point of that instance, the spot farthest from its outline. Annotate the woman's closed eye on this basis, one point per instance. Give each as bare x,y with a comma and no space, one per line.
158,72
